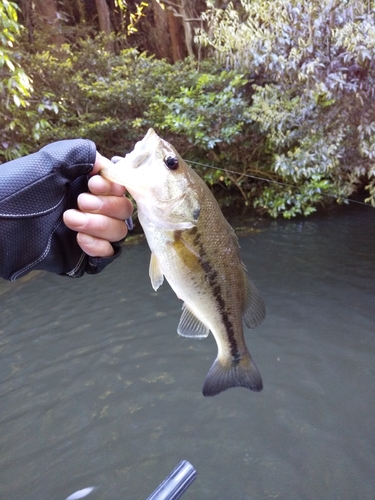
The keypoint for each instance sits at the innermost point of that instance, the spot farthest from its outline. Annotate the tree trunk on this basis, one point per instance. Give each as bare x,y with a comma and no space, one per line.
181,15
174,32
104,21
26,12
185,15
48,11
161,39
103,16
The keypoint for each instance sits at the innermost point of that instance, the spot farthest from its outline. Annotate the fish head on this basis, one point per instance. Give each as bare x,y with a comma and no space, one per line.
160,182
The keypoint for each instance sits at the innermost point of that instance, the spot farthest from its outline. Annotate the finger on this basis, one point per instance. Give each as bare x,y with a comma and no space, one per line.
101,186
97,225
112,206
95,247
100,162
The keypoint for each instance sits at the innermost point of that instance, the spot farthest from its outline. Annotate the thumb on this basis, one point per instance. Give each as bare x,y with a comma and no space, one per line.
100,163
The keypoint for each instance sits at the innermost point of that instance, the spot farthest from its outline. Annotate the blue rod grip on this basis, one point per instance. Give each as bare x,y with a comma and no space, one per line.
176,483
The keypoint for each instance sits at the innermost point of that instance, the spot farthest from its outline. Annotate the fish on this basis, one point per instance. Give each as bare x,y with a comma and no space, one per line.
196,250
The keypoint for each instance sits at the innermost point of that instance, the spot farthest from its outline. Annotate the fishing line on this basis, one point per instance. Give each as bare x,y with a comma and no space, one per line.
348,200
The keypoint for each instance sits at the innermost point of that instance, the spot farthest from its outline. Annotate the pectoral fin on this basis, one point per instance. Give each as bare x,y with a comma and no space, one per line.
191,326
187,254
255,310
156,275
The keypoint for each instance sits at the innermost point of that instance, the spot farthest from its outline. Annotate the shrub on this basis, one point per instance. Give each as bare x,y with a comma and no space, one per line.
313,69
15,90
288,98
114,99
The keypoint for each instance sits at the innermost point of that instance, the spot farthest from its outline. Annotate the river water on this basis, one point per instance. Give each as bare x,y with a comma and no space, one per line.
98,390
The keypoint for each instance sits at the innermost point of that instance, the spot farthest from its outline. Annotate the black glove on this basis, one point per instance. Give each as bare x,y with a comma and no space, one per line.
35,191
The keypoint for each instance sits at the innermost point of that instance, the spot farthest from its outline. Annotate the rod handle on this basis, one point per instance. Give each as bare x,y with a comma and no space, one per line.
176,483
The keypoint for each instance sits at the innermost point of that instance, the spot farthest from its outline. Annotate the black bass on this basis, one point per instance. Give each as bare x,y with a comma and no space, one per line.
195,248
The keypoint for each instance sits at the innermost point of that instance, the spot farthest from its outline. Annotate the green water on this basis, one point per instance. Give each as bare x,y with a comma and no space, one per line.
97,389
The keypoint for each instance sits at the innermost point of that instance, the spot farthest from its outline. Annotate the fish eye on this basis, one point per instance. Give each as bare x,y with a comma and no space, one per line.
171,162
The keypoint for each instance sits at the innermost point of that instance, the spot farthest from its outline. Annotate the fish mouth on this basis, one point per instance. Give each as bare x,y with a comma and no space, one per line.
139,151
149,141
130,160
151,132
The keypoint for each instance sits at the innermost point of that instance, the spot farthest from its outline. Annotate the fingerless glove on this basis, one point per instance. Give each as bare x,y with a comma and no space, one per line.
35,191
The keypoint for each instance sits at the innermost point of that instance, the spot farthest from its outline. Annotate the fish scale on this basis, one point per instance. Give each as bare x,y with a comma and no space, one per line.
196,250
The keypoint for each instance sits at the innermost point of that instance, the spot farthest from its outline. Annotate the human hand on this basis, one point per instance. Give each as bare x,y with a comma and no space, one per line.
101,215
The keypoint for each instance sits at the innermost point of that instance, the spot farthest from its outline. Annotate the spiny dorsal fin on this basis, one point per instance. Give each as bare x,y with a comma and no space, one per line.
156,275
255,310
191,326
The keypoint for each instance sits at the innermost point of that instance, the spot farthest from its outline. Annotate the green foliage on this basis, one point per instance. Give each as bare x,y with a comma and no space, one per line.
209,112
312,64
287,99
15,85
133,18
100,95
208,120
288,200
21,116
114,99
83,90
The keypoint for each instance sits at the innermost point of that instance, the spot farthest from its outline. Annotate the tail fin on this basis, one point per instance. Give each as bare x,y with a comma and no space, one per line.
243,373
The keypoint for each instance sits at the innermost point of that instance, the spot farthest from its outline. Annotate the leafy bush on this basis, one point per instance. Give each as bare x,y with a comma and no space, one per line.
313,68
288,98
15,88
114,99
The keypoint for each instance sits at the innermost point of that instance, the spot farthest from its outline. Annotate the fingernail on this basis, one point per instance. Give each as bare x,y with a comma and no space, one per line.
116,159
89,202
75,218
129,223
86,239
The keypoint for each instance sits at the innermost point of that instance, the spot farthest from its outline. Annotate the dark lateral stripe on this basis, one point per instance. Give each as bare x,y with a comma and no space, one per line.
212,275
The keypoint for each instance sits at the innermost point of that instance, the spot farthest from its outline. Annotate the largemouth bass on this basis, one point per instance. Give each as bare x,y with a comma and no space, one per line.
197,251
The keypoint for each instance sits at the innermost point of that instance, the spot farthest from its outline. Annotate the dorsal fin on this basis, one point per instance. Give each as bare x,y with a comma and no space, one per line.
255,310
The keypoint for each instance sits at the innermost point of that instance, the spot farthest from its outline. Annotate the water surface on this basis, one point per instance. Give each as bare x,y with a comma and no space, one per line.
97,389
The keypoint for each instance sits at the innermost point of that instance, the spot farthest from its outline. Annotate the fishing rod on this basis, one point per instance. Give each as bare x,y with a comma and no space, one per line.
171,488
271,181
176,483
